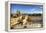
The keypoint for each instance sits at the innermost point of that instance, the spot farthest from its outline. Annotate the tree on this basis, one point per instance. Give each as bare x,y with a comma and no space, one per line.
17,12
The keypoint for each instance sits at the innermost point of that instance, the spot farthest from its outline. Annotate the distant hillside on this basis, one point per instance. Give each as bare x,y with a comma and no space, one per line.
33,14
29,14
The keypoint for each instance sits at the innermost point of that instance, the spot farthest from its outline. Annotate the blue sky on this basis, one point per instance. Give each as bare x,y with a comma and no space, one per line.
26,8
